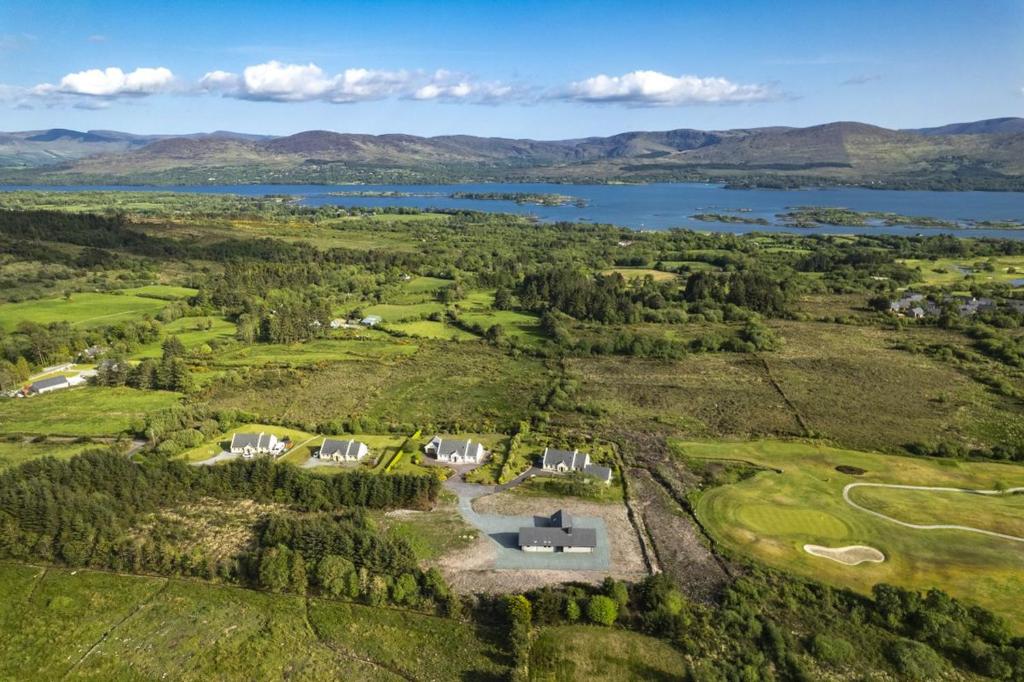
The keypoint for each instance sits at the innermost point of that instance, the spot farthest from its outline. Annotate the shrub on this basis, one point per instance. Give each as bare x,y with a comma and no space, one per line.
602,610
914,660
833,650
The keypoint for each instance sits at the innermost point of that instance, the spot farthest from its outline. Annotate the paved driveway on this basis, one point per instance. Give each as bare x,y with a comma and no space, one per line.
503,531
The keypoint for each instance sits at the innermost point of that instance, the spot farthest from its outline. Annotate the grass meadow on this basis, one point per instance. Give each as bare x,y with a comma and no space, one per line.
583,652
81,309
83,624
770,516
90,411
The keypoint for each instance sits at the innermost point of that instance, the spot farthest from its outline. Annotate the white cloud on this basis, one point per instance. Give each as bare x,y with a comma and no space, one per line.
653,88
278,82
110,83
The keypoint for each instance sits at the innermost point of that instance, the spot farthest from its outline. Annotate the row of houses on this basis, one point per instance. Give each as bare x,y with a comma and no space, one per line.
448,450
918,306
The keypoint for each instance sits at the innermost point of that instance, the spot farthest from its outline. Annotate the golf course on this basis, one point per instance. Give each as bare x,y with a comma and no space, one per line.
964,541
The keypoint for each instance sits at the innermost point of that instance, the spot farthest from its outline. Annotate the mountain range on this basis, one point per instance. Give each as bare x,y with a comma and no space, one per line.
976,155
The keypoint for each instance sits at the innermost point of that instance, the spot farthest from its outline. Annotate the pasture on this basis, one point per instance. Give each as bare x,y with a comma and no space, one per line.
639,273
428,329
193,332
91,411
390,312
86,309
314,352
522,326
770,516
164,292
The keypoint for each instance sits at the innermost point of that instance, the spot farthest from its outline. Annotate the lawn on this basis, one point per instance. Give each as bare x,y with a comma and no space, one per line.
91,411
428,329
770,516
85,309
583,652
15,453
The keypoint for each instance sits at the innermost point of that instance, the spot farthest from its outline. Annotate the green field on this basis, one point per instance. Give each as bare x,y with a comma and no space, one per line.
428,329
419,290
314,352
770,516
82,309
82,624
581,652
390,312
162,291
192,333
18,452
522,326
639,273
91,411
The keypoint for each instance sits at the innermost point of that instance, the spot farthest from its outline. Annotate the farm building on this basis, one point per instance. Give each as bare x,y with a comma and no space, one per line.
250,444
563,461
455,451
342,450
47,385
559,535
370,321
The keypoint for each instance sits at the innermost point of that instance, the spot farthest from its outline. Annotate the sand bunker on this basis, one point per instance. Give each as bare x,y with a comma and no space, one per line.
851,556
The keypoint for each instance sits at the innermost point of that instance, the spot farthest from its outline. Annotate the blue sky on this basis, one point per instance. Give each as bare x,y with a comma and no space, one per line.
523,69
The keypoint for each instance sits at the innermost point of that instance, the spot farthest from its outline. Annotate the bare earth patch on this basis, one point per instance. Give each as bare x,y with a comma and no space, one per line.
470,570
851,556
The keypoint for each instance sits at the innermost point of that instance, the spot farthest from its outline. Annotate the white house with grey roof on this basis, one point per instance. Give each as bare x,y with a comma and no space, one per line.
563,461
559,535
336,450
455,451
48,385
252,444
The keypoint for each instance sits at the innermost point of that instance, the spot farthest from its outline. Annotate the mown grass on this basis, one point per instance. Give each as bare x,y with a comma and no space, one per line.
86,309
965,271
91,411
770,516
1000,514
581,652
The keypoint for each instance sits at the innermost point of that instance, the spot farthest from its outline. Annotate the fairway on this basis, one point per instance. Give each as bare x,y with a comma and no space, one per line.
771,516
81,309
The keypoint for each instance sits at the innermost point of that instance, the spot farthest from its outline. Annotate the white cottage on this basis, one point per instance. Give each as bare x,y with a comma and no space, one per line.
342,450
455,451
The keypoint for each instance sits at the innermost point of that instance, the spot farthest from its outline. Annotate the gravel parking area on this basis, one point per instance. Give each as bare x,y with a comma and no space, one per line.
219,457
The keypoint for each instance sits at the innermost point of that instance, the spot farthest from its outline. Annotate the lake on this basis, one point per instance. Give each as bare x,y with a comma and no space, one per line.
658,206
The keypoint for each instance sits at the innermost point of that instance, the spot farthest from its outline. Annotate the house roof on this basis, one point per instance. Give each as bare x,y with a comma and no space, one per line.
598,471
561,519
448,447
574,459
557,537
344,448
245,440
49,383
